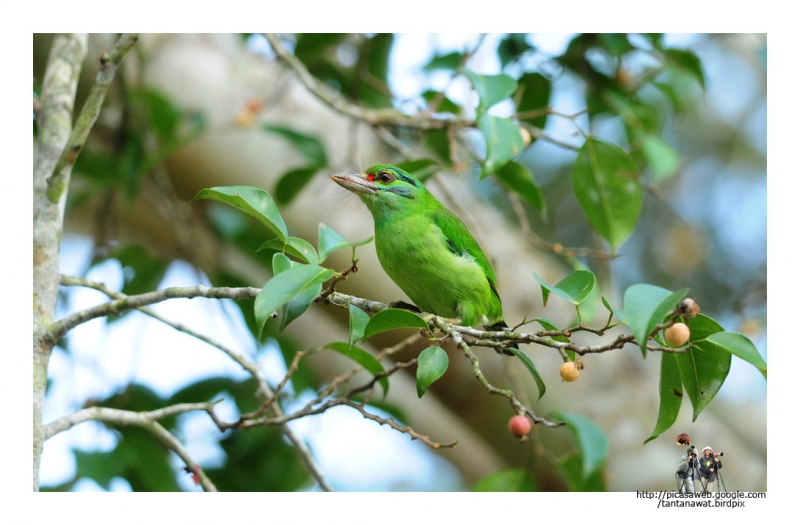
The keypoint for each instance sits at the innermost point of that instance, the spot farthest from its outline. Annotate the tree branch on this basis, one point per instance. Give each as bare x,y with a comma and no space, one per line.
375,117
146,420
262,390
109,63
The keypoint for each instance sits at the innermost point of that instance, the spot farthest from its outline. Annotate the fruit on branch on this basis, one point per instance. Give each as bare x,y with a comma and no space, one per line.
570,371
677,334
519,425
689,307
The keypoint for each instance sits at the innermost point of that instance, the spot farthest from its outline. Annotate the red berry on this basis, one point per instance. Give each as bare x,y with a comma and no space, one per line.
520,426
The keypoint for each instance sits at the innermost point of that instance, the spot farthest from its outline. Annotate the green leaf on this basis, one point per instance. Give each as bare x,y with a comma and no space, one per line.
689,62
294,246
511,47
308,145
503,142
704,366
363,358
298,305
284,287
591,440
143,272
619,315
101,467
377,66
741,346
616,43
491,89
662,158
358,322
605,181
509,480
547,324
535,96
448,61
253,201
431,365
573,288
292,182
422,169
163,115
330,241
671,393
531,368
391,319
644,306
517,178
445,104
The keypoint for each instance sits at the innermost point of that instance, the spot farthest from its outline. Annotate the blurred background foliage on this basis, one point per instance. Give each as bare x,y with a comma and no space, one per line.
188,112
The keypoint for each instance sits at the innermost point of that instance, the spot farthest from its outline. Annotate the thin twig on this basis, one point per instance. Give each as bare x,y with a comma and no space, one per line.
146,420
557,248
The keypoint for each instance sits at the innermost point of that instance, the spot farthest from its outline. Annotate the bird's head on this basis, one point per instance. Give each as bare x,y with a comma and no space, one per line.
384,189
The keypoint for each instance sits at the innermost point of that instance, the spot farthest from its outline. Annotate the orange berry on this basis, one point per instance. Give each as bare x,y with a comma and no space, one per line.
569,371
677,334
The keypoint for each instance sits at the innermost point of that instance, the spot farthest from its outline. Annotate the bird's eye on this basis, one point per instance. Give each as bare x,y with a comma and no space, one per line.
386,177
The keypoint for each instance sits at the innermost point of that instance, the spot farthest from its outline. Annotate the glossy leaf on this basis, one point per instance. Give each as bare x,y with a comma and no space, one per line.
644,306
363,358
308,145
664,161
294,246
391,319
285,286
574,288
591,440
330,240
358,322
509,480
292,182
298,305
531,368
605,181
491,89
741,346
503,142
518,178
253,201
704,366
431,365
671,395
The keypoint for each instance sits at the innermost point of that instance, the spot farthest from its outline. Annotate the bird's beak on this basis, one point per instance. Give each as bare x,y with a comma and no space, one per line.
355,183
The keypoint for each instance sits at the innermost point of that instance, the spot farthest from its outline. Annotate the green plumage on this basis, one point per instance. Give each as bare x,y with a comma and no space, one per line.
426,249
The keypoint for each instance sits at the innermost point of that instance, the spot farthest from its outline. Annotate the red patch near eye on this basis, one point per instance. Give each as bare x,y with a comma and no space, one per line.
370,177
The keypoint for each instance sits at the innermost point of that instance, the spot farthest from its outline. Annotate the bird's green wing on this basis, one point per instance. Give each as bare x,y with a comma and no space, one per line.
459,240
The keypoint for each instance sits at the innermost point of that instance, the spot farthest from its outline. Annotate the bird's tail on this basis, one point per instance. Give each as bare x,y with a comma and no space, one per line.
497,327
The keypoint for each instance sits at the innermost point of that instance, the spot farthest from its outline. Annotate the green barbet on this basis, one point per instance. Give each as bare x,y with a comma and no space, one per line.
426,249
